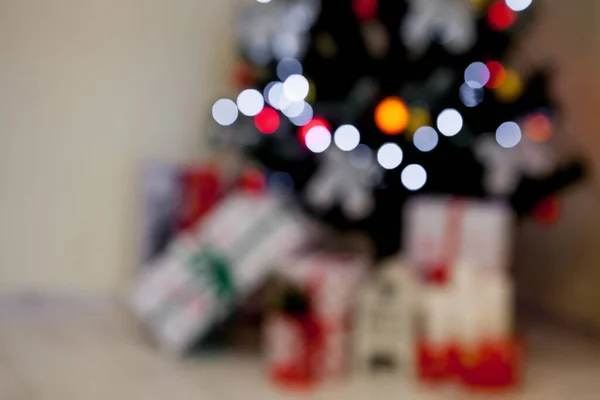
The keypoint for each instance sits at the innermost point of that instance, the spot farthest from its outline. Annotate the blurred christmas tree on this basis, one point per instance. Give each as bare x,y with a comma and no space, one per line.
360,104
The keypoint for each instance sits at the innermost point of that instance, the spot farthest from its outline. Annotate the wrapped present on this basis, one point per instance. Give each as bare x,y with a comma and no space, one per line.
443,231
331,281
198,282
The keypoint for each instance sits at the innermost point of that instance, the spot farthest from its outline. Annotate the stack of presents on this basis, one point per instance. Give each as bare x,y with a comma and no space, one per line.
442,311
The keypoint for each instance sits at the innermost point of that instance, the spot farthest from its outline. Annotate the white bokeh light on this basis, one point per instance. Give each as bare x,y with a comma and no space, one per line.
277,98
294,110
225,112
264,1
508,134
518,5
425,138
250,102
469,96
305,116
346,137
477,75
318,139
296,88
414,177
361,156
449,122
288,67
390,156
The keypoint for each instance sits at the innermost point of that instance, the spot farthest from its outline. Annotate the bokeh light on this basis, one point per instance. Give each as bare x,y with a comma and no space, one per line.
512,87
518,5
497,74
316,121
419,117
508,134
267,121
296,88
264,1
469,96
281,183
390,156
318,139
225,112
294,109
361,157
500,16
391,116
414,177
276,97
538,127
305,116
346,137
477,75
426,139
449,122
365,10
288,67
250,102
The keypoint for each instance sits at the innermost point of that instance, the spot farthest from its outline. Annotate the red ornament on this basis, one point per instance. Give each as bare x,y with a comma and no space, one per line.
316,121
497,74
365,10
547,212
500,16
267,121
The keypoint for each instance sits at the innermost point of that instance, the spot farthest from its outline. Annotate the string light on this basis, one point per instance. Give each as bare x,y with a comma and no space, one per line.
418,117
296,88
500,16
391,116
512,87
508,135
518,5
497,74
426,139
250,102
477,75
305,116
470,97
294,109
288,67
346,137
361,156
267,121
225,112
316,121
318,139
277,98
449,122
365,10
390,156
414,177
538,127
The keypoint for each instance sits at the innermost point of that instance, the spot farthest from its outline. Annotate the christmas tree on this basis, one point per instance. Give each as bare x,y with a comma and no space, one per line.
355,106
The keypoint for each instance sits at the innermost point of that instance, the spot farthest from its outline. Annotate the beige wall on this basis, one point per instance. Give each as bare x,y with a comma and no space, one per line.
89,89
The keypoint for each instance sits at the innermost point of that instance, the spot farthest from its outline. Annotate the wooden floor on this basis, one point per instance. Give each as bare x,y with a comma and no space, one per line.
74,353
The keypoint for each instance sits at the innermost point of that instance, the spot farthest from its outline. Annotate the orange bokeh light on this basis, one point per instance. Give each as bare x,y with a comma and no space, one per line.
392,116
538,127
497,74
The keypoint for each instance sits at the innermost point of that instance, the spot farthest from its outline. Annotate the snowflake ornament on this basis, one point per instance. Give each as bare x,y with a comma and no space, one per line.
278,30
504,168
450,21
338,182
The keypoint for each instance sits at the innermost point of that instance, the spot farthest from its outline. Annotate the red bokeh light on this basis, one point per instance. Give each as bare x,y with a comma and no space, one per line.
500,16
365,10
267,121
547,212
497,74
538,127
316,121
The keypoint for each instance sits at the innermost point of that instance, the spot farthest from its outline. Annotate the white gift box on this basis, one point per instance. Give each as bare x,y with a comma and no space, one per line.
444,231
200,279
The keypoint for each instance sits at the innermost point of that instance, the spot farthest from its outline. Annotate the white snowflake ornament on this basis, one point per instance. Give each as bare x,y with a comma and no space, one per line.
450,21
337,181
504,168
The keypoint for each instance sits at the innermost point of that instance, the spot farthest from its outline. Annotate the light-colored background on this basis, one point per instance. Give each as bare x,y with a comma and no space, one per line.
91,88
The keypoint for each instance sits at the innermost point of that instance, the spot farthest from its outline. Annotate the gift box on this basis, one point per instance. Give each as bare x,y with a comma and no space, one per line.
202,277
332,282
441,232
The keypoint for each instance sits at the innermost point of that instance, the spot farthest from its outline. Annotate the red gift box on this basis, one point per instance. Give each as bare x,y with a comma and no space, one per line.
201,190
